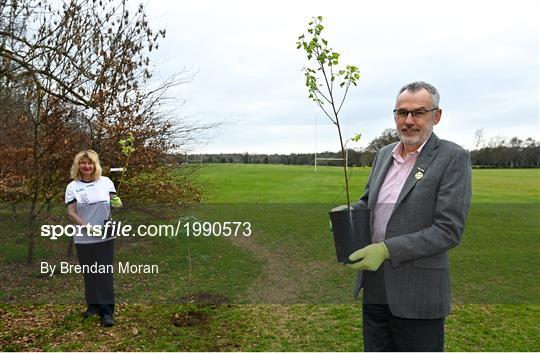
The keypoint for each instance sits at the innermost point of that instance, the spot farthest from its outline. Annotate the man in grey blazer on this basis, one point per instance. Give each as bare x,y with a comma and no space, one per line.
419,193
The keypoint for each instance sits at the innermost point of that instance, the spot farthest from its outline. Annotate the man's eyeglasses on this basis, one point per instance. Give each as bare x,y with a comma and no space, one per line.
418,113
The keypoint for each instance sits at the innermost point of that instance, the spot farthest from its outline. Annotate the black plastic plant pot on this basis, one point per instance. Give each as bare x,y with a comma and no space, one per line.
352,231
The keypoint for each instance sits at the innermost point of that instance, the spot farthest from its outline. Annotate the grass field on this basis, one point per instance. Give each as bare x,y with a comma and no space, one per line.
282,286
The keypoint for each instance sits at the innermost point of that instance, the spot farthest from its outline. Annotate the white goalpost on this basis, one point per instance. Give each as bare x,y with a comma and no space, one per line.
199,161
332,159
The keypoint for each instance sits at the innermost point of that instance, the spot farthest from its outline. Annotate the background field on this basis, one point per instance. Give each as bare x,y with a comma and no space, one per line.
282,287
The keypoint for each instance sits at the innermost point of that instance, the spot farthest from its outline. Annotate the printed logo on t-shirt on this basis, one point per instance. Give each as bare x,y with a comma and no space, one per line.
84,197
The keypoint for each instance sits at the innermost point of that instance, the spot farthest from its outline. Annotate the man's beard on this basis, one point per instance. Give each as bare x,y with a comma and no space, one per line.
419,137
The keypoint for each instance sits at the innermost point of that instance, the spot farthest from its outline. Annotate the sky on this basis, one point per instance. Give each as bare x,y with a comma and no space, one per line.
246,73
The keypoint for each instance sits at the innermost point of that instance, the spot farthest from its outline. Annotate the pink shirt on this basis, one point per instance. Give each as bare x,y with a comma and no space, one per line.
390,189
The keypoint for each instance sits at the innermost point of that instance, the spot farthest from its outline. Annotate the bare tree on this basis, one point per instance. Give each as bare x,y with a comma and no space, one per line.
478,138
387,137
82,71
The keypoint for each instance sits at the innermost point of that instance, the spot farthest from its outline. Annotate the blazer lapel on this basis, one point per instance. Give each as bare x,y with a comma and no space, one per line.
422,163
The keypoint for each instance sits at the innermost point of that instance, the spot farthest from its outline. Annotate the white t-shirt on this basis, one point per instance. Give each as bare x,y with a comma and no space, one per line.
93,204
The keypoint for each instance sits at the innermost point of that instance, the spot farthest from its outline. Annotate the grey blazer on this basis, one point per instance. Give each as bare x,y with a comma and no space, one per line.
427,220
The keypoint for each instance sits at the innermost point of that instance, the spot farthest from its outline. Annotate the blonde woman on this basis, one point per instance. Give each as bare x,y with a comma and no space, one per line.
89,197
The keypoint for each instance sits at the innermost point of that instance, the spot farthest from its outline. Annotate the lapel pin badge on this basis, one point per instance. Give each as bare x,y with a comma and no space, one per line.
420,174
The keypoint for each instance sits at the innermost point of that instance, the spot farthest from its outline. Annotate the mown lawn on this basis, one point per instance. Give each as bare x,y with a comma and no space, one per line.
281,286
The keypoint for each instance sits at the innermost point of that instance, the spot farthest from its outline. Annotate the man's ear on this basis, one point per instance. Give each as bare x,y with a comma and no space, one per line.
437,116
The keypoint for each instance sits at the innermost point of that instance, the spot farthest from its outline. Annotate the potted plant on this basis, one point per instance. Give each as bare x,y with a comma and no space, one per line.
350,225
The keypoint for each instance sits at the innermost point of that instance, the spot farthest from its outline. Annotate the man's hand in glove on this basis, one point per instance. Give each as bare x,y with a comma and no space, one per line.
373,256
116,202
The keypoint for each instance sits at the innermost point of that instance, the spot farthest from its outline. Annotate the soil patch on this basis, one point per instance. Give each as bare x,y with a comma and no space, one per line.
204,298
190,318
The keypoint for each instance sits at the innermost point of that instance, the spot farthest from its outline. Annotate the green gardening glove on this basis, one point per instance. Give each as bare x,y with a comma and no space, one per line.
373,256
116,202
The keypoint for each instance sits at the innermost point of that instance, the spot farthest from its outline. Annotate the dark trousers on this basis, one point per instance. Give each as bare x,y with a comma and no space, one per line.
384,332
98,287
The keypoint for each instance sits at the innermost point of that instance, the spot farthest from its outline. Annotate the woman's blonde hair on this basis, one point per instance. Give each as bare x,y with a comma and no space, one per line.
90,155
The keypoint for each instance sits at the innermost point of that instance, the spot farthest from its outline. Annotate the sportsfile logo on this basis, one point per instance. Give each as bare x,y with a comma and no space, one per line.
108,230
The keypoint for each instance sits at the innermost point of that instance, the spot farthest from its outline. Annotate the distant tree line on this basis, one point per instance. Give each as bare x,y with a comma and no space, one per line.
497,153
356,158
514,153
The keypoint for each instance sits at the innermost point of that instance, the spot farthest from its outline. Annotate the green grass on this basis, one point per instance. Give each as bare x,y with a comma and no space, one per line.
504,186
497,261
289,259
281,183
243,183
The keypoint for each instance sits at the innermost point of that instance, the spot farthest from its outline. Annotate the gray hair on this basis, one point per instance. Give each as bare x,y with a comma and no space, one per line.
419,85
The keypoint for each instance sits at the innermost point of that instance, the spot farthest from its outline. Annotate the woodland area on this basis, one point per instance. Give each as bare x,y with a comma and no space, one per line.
74,75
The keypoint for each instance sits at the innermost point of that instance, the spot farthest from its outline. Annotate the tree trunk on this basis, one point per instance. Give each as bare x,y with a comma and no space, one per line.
13,212
31,231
